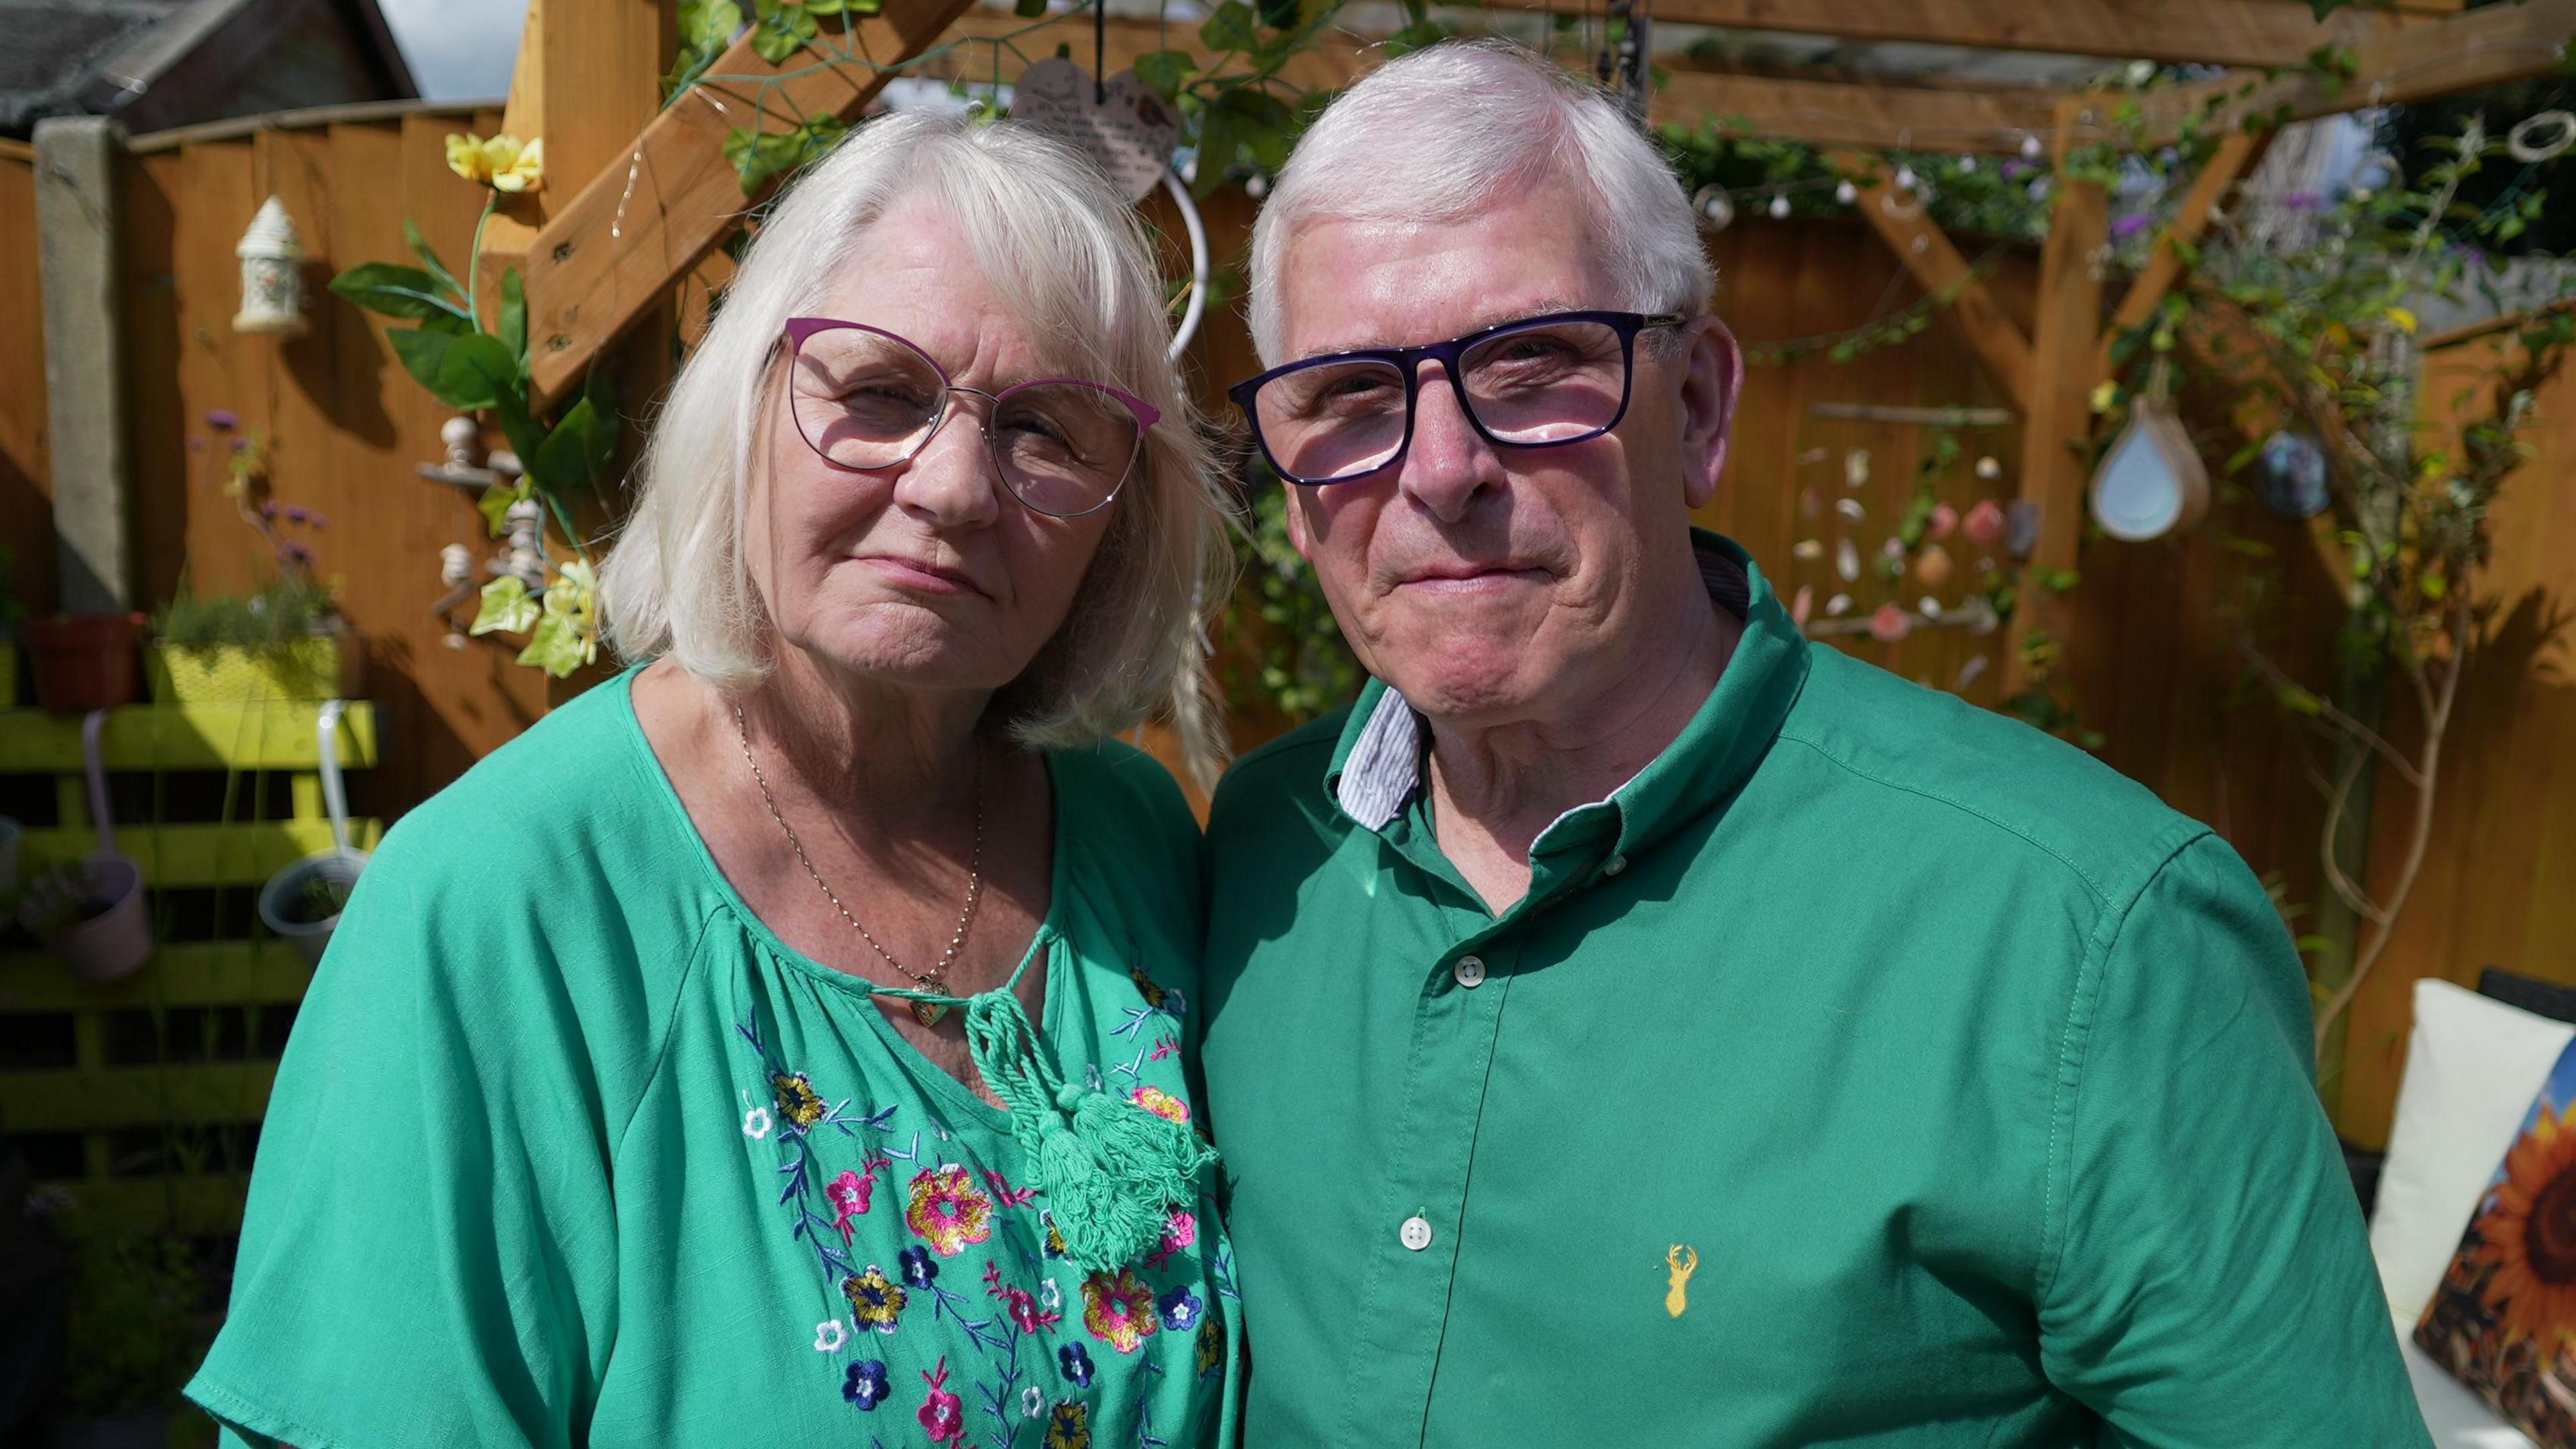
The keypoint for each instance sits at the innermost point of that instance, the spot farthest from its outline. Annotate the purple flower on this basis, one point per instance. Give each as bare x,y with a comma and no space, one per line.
222,420
2132,224
918,1270
318,520
1075,1360
297,513
294,555
268,508
241,445
2303,201
2013,168
1180,1309
865,1384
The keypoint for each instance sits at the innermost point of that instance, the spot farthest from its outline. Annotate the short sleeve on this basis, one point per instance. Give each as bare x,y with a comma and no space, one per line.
2207,1281
428,1255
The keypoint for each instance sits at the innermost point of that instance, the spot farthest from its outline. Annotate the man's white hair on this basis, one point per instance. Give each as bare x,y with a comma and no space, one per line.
1071,261
1438,133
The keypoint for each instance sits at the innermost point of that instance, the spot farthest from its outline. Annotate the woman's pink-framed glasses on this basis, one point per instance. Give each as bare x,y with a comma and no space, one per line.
866,400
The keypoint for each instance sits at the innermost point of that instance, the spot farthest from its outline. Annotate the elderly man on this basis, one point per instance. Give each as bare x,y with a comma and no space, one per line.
1632,1025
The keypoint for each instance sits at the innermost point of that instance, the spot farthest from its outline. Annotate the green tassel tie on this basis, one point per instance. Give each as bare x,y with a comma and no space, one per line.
1110,1171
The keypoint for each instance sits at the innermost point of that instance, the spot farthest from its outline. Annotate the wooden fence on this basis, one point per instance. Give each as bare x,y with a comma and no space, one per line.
2151,662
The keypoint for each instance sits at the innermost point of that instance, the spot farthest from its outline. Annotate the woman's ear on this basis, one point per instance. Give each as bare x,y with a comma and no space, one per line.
1712,380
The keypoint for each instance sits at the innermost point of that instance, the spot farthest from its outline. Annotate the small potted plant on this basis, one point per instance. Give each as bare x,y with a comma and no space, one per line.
83,662
139,1327
284,640
302,903
91,914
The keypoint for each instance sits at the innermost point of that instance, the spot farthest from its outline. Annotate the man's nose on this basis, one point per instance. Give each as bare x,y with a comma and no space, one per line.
1449,462
953,482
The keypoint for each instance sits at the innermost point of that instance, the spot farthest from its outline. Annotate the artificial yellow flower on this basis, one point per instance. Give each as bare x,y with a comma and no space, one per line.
501,163
2105,395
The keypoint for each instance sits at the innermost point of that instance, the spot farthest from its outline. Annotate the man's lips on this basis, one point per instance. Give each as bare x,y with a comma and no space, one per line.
921,576
1451,576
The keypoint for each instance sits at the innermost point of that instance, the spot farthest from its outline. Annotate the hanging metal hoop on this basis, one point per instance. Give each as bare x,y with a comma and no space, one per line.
1905,209
2542,136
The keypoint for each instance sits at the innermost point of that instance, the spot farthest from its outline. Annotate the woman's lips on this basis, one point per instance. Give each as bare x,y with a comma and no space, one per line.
921,577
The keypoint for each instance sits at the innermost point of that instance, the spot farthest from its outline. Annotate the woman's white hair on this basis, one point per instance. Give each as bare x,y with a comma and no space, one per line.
1438,133
1072,261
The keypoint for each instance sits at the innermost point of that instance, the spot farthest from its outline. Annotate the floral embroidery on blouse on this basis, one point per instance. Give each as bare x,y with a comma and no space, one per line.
1161,1103
865,1384
1179,1309
943,1414
1211,1347
1020,1304
1075,1360
948,1210
797,1100
1069,1426
874,1302
1118,1310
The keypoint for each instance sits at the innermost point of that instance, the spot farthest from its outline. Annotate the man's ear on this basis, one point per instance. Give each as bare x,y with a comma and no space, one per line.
1295,507
1712,380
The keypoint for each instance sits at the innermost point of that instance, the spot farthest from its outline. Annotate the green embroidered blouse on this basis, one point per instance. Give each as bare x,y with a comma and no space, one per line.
568,1148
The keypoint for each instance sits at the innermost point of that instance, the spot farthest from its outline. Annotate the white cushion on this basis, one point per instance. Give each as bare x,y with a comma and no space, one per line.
2473,1066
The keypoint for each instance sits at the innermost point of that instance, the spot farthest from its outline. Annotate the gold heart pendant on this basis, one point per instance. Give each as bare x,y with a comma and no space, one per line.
928,1012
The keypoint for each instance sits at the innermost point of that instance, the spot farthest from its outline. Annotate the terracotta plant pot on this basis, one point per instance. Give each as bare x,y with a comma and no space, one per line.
84,662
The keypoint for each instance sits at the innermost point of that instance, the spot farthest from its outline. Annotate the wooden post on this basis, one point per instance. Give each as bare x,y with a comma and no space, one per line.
2064,353
78,257
589,77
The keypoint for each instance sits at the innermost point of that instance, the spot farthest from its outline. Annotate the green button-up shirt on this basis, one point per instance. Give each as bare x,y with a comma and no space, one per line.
1870,1069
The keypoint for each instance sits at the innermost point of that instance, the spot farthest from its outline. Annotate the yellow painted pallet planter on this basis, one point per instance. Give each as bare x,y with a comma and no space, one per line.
299,669
8,673
91,1098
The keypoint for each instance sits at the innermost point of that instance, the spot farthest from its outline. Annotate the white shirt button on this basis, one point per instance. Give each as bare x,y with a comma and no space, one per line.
1415,1234
1614,865
1470,971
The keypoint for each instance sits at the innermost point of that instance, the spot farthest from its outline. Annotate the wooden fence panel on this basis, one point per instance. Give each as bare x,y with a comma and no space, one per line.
26,476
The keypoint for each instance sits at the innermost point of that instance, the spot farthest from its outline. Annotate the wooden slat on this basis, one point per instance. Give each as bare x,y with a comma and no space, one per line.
1875,117
1936,264
2209,32
200,855
197,1205
611,254
2064,345
2486,46
75,1101
195,973
998,45
277,735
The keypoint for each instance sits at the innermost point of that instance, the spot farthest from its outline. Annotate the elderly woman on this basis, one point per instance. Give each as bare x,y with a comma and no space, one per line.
788,1042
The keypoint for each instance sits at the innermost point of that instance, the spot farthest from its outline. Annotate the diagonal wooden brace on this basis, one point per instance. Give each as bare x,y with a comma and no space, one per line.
618,247
1936,264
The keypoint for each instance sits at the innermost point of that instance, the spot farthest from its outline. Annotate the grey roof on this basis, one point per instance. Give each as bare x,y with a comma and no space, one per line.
160,63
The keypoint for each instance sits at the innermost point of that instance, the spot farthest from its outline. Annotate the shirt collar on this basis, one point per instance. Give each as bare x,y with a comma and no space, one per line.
1376,769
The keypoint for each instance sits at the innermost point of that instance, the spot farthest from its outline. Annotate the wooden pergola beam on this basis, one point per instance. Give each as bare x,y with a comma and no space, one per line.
1871,117
2254,33
616,248
2487,46
2235,158
1938,268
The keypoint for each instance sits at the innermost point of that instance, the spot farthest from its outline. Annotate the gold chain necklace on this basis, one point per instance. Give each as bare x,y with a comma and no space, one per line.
936,978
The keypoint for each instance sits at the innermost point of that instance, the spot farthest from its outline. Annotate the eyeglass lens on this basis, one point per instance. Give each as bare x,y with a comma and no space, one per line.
1547,383
868,401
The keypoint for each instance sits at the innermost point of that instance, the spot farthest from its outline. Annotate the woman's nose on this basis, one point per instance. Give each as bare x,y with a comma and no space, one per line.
952,482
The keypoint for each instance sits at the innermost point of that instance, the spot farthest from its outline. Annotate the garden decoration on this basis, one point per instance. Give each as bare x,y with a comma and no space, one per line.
547,591
301,904
1131,132
272,280
2321,343
2151,483
2290,476
91,912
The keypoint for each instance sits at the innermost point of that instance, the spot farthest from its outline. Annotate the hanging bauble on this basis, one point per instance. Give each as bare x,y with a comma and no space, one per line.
1890,624
1779,207
2030,148
1846,561
272,284
2290,476
1846,193
1803,605
1850,508
1837,606
1808,549
1989,468
1985,523
1716,206
1932,566
1855,467
1941,522
2152,482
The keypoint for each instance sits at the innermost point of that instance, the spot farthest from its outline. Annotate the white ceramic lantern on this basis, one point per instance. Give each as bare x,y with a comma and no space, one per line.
2152,482
272,285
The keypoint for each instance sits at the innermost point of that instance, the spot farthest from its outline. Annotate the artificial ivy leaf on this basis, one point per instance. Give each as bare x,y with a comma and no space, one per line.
2299,701
496,503
395,291
1217,145
1164,72
558,646
1029,9
1232,27
780,28
507,608
1261,124
514,318
2323,8
708,25
423,352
